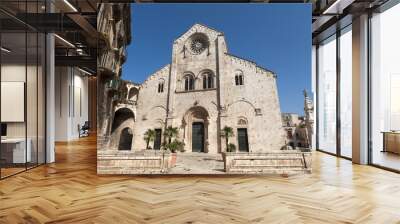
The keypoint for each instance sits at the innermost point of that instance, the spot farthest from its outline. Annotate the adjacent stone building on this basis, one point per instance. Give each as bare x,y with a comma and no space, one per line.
300,129
296,132
309,118
114,31
205,88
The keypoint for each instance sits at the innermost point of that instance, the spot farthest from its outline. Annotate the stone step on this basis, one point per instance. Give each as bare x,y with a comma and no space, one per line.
265,166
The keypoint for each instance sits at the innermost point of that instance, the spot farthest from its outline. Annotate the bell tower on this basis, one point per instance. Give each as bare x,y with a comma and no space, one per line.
309,116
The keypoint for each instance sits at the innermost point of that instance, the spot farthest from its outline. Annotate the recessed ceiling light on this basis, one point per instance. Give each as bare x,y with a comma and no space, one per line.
70,5
65,41
5,50
84,71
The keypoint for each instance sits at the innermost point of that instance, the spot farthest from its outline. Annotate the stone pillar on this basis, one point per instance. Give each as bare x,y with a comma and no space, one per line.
360,90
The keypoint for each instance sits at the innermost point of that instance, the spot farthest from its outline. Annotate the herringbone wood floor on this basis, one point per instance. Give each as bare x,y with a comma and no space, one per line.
69,191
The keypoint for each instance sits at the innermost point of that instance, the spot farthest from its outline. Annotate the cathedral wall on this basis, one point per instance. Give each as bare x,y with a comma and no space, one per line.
151,107
182,101
187,101
256,102
184,62
259,92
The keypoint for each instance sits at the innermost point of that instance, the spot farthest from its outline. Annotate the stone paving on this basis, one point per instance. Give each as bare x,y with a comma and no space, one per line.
198,163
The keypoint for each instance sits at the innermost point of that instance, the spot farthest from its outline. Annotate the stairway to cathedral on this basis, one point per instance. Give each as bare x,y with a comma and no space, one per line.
198,163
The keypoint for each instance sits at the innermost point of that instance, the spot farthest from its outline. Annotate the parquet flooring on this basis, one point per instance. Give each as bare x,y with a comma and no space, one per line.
69,191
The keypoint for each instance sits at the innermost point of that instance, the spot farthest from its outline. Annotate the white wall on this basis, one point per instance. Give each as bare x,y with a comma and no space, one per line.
71,102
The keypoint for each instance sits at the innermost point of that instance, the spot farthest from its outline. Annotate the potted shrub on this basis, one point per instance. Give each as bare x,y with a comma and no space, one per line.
172,144
174,147
149,136
231,147
227,132
171,133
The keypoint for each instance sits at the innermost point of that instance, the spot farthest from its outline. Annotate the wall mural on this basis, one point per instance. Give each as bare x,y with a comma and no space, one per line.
207,112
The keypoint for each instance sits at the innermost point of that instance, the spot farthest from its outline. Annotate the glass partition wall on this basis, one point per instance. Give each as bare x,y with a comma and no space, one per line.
385,89
22,77
334,94
334,89
327,95
345,108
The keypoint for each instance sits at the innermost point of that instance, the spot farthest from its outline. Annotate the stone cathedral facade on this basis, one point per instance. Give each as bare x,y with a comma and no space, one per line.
205,88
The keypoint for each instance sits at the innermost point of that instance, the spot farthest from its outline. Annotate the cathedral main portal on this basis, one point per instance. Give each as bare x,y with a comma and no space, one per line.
198,137
196,129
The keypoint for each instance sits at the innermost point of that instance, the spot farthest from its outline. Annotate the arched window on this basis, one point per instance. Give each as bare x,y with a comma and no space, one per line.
132,93
239,78
208,81
189,82
160,86
242,121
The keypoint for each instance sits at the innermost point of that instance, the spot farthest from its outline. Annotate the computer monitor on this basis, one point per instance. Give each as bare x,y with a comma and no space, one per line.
3,129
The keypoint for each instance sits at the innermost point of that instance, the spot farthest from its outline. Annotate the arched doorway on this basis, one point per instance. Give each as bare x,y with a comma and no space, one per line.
121,128
125,139
120,116
196,121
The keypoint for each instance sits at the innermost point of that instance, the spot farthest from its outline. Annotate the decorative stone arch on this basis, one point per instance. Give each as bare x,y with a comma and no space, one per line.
182,79
159,123
204,75
196,114
161,85
242,121
133,93
239,77
257,111
121,114
147,114
202,72
123,118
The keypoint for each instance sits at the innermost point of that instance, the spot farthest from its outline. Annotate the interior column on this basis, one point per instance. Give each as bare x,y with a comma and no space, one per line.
360,90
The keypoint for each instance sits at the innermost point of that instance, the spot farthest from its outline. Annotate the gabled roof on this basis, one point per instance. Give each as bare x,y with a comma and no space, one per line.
252,62
196,26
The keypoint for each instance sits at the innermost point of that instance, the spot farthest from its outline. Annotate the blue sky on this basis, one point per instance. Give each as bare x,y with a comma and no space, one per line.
275,36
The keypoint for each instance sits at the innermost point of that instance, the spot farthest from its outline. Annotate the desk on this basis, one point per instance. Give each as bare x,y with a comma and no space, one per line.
391,142
13,150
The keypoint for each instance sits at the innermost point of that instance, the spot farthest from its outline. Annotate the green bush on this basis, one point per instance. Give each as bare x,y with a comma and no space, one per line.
175,146
231,147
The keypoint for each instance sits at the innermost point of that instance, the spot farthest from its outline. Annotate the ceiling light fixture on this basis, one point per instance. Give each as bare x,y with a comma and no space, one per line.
5,50
84,71
65,41
333,6
70,5
337,7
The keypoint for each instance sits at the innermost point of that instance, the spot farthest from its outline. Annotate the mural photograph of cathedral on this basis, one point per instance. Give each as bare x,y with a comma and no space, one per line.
208,111
205,89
